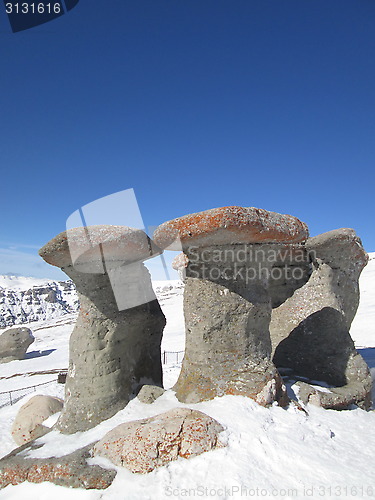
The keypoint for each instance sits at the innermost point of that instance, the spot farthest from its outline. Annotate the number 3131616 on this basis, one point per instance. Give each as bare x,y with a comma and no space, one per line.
33,8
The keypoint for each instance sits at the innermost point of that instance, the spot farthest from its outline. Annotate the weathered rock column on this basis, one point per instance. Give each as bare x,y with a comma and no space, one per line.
227,306
310,331
115,345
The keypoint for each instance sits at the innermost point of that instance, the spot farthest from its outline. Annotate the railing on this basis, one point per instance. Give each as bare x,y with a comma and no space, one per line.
176,356
9,398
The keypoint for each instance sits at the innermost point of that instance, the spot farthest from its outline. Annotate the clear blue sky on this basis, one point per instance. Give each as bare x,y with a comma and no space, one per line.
193,103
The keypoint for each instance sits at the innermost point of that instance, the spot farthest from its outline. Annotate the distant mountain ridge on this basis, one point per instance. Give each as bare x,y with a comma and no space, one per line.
23,300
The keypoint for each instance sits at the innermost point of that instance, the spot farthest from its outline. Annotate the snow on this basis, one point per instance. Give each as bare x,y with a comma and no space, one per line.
28,300
270,452
49,351
22,282
363,326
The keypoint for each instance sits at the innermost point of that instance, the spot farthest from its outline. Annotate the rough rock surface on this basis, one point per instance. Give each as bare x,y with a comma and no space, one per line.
149,393
179,264
229,293
70,470
228,345
310,330
291,269
115,345
27,425
85,247
14,343
228,225
143,445
229,255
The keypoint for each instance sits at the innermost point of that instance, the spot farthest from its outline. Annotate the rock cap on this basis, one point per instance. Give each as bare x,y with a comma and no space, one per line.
87,247
230,225
338,247
180,262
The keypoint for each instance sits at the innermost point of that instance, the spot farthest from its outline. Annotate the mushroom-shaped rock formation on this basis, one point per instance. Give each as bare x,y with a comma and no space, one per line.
230,225
115,345
310,330
230,254
179,264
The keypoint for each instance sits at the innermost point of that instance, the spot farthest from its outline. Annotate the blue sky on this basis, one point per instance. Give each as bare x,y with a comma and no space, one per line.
193,103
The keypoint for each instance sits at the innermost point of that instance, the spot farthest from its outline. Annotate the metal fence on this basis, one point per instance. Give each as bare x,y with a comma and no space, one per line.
172,357
8,398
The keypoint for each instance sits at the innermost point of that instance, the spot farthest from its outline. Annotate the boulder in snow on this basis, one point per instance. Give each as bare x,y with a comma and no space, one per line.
14,344
149,393
143,445
71,470
28,422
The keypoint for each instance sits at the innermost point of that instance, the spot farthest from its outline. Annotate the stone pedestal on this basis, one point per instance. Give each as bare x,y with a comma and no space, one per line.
227,304
228,345
115,346
310,330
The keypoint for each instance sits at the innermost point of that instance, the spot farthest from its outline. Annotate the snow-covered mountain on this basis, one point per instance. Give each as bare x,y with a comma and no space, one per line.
23,300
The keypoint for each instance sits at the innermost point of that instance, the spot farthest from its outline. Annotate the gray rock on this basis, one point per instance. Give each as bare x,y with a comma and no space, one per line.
143,445
27,425
14,344
149,393
115,345
291,269
179,264
228,299
228,345
310,330
70,470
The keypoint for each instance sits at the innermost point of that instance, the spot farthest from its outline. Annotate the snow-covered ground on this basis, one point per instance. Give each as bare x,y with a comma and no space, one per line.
271,452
